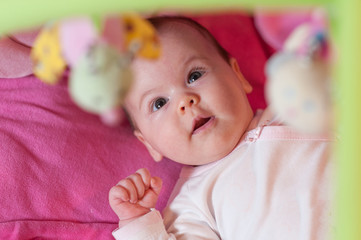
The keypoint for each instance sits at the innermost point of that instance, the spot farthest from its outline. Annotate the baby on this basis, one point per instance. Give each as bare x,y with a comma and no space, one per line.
246,176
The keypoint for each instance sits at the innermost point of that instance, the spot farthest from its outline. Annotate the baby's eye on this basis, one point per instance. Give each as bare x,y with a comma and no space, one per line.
193,76
158,104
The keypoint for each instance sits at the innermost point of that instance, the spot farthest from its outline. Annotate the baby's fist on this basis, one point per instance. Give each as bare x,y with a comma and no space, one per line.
134,196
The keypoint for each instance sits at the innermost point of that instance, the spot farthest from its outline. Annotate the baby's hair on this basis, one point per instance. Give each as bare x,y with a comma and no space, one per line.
160,22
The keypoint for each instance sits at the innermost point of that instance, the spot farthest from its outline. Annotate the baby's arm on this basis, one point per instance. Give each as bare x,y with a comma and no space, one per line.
134,196
132,200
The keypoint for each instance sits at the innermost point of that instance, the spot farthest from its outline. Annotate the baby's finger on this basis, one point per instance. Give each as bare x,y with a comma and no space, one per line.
118,194
138,184
145,174
131,189
156,184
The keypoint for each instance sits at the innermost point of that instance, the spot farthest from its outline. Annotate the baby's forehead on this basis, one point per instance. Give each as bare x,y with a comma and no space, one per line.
190,32
179,40
182,30
178,44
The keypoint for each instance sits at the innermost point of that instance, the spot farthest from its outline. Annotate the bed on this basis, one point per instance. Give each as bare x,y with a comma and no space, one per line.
59,162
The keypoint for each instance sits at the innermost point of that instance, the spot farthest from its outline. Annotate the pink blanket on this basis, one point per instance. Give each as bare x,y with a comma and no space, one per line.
58,162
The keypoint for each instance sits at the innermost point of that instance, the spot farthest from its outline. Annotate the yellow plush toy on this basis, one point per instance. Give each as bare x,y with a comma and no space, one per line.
49,63
140,37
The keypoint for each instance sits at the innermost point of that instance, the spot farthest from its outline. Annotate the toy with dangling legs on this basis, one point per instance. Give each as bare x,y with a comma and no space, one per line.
100,74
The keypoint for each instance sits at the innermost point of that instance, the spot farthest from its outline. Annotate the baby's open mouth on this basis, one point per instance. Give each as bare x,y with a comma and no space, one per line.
199,123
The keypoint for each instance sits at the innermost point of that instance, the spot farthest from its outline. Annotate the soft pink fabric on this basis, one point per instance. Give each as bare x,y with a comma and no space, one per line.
26,38
12,51
16,48
58,162
276,26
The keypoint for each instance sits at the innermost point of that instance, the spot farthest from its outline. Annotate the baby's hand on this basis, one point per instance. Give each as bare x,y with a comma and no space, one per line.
134,196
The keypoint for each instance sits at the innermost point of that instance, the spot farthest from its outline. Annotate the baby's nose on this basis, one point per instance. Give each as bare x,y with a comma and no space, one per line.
186,102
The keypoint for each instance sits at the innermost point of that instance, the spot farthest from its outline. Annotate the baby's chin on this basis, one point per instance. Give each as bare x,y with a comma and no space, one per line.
204,158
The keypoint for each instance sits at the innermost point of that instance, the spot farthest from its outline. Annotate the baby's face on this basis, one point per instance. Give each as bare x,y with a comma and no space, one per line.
189,105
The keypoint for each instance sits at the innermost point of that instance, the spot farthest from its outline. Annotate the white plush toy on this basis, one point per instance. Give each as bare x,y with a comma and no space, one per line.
99,82
298,84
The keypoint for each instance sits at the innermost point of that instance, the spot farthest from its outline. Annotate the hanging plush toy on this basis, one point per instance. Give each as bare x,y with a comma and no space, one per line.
298,84
49,64
100,74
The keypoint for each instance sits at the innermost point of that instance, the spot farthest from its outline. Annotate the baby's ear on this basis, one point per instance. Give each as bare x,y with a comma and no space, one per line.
235,67
154,153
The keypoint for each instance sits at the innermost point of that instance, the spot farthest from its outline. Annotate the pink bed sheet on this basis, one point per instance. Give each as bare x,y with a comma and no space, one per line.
57,163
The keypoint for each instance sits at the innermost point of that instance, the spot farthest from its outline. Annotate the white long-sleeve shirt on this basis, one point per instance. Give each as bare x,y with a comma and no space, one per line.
274,185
